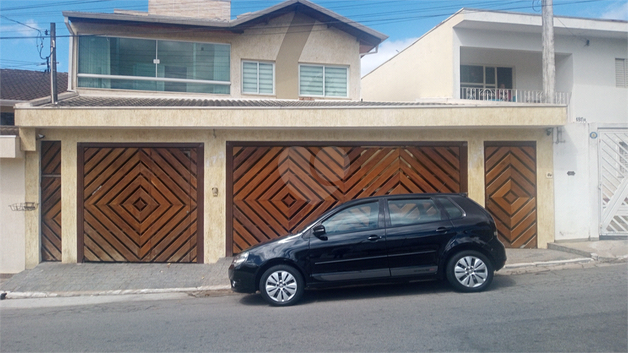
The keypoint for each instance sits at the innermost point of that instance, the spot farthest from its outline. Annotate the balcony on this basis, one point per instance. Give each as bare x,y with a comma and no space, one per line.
512,95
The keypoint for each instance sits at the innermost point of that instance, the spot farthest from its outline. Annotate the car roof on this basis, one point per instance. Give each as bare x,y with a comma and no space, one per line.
402,196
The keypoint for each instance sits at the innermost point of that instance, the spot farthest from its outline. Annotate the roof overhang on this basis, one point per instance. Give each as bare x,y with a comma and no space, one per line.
531,23
159,113
367,36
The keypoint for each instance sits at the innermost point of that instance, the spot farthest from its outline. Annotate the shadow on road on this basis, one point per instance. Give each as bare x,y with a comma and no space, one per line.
378,291
502,281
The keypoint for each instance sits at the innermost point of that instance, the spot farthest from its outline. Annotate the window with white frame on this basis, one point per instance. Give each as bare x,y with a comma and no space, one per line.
258,77
323,81
621,73
153,65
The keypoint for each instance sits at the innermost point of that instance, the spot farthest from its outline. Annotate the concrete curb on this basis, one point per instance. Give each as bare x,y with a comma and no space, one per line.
548,263
27,295
592,255
558,247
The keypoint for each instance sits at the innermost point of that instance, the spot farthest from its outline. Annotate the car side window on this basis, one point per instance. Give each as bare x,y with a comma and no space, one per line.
353,219
413,211
451,208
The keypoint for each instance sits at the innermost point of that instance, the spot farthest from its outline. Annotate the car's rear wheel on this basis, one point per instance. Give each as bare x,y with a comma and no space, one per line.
281,285
469,271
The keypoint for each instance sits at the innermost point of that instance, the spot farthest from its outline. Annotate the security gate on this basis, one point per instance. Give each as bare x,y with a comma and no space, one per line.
278,188
50,200
613,161
511,191
140,203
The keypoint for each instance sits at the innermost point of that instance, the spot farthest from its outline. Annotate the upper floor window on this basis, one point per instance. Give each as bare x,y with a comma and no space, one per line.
491,77
153,65
621,73
258,77
323,81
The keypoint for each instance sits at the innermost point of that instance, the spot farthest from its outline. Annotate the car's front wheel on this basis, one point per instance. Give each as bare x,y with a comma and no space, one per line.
281,285
469,271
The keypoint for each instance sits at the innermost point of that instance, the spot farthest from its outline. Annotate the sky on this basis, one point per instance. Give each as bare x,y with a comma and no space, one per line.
25,41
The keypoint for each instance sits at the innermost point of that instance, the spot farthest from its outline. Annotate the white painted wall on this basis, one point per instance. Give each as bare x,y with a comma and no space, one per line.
585,66
423,70
12,240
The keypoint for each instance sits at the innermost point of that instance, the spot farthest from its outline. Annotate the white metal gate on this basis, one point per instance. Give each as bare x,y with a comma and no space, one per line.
613,159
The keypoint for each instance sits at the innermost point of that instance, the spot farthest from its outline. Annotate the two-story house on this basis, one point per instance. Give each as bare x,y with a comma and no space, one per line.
496,58
188,136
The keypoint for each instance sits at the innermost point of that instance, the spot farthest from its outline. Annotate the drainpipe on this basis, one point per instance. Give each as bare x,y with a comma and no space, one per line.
53,63
71,55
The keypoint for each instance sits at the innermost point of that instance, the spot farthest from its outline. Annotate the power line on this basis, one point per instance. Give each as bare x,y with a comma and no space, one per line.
372,19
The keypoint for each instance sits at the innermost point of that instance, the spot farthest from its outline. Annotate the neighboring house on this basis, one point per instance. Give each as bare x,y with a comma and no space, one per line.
16,86
496,58
190,138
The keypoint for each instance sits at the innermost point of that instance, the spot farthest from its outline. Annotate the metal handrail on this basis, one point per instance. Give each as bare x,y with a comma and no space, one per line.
512,95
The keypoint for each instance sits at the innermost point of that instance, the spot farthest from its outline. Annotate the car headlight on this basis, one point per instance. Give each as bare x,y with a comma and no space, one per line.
240,258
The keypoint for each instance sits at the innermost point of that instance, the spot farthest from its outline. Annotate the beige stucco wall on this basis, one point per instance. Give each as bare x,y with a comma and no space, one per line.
281,118
215,140
322,45
12,191
425,69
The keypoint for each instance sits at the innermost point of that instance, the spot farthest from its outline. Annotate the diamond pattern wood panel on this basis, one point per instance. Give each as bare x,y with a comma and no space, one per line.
511,193
140,204
50,165
277,190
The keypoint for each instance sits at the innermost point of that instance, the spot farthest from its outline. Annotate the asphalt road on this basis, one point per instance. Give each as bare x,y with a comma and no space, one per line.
553,311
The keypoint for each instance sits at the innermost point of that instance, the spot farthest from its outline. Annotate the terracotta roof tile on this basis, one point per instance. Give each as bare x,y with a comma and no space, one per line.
25,85
108,102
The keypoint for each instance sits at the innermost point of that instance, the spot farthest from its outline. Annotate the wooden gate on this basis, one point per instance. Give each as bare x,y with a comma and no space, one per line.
50,166
140,203
511,191
276,190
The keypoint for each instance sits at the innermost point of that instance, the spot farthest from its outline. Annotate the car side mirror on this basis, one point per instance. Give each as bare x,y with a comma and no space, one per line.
319,232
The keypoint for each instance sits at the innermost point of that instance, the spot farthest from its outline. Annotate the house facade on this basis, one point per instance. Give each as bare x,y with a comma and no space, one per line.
16,86
495,58
187,139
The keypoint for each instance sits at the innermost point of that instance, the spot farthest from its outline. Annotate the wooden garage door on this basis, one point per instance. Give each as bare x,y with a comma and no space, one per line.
140,203
511,191
50,166
277,190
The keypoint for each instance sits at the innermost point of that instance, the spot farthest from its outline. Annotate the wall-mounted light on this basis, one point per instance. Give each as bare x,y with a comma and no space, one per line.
40,136
215,192
549,131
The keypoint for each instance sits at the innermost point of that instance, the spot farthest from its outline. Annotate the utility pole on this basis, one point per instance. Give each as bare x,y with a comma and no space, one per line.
549,65
53,63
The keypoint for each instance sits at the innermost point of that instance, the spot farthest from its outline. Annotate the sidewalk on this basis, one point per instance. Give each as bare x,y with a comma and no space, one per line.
53,279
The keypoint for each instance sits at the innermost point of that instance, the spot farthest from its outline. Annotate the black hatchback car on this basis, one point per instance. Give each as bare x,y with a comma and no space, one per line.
374,240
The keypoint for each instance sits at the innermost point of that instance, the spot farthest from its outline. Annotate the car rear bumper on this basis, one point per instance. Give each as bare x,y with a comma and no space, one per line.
499,253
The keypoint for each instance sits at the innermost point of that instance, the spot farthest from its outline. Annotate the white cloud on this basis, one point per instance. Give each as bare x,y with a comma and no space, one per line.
617,11
12,29
386,51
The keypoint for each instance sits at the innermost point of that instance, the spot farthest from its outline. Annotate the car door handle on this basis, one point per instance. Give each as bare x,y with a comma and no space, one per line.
442,229
374,237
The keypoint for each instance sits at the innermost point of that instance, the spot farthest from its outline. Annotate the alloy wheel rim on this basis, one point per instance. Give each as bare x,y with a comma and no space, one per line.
471,271
281,286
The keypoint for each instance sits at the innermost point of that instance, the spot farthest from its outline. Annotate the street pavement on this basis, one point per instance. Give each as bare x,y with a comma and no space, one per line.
54,279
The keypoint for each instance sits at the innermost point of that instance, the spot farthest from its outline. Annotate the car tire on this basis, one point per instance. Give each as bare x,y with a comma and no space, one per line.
281,285
469,271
